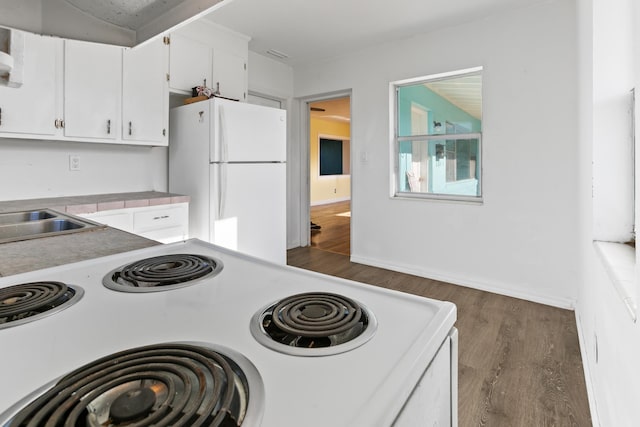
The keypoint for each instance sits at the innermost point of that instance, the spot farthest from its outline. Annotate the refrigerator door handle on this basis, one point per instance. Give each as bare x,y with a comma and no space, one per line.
222,188
222,169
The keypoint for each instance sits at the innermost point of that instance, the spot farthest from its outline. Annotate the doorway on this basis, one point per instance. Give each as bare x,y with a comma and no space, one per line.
330,174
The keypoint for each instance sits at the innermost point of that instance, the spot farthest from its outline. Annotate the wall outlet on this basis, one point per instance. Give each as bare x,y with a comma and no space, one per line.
74,162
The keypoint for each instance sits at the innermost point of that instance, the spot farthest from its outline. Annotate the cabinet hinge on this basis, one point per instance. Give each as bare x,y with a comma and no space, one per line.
245,66
166,40
164,132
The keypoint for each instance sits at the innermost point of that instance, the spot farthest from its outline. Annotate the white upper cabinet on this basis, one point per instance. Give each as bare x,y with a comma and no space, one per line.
31,108
92,90
189,64
78,91
145,94
230,73
204,51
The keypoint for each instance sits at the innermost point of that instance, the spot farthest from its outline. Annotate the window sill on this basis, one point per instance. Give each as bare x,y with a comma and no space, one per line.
620,263
471,200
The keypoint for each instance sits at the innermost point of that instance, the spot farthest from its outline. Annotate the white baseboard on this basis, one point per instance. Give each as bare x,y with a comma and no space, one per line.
593,407
329,201
559,302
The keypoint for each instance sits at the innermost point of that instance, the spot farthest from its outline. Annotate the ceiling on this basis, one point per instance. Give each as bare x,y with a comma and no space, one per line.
308,31
118,22
464,92
338,110
131,14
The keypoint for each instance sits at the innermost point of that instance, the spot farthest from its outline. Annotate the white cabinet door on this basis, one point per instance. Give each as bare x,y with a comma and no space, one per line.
144,94
92,89
31,108
163,223
189,64
230,71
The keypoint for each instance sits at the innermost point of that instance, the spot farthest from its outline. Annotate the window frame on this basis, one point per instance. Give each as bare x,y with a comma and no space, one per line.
396,140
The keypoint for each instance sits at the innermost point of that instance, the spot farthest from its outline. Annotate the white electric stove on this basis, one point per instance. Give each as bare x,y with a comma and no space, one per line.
134,340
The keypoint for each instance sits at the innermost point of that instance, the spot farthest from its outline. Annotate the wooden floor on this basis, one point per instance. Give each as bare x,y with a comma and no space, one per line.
519,362
335,222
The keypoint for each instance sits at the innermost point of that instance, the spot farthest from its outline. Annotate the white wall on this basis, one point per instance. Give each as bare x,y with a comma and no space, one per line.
609,52
612,81
35,169
270,77
523,240
274,79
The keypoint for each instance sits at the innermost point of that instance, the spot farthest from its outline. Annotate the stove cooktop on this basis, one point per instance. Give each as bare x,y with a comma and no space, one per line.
168,384
365,385
314,324
162,273
28,302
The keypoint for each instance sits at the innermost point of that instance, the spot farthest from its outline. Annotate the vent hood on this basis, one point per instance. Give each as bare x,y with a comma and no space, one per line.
118,22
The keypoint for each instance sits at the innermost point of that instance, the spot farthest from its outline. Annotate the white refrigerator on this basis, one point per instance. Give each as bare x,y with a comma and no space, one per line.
230,158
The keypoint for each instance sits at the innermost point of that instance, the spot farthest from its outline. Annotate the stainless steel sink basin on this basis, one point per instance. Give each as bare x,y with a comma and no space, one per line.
15,226
18,217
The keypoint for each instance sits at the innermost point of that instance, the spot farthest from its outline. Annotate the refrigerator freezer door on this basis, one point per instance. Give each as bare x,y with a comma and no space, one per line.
248,211
247,133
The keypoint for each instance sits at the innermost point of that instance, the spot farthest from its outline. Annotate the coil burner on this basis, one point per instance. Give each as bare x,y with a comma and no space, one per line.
313,324
171,384
32,301
162,273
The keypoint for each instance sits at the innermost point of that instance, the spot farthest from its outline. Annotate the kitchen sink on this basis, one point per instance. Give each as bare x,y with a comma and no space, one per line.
16,226
19,217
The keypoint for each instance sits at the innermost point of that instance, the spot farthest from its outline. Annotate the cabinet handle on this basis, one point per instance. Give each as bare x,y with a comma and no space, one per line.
0,116
160,217
109,127
129,128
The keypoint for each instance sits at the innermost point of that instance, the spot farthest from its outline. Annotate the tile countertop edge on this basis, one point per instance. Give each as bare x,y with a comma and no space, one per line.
95,202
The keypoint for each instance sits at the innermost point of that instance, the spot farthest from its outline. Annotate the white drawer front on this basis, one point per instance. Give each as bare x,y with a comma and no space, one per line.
161,218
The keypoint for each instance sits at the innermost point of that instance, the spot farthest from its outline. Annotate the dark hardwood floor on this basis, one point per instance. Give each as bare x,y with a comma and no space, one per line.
519,362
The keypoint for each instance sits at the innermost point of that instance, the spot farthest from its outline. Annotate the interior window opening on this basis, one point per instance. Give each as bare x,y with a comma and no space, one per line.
438,135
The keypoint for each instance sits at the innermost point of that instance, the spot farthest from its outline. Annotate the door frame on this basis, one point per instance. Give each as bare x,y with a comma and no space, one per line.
305,159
